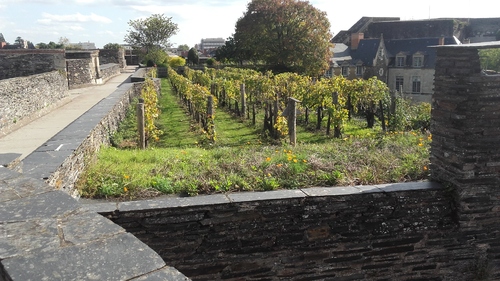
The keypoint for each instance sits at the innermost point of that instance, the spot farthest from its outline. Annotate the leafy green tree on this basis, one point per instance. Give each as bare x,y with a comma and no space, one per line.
19,40
156,57
151,32
193,56
183,47
112,46
490,59
50,45
211,62
290,35
176,62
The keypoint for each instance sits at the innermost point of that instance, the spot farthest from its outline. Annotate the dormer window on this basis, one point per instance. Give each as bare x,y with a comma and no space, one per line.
345,70
400,61
359,70
418,60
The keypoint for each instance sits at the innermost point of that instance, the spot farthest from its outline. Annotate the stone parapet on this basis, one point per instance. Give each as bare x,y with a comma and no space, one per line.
24,98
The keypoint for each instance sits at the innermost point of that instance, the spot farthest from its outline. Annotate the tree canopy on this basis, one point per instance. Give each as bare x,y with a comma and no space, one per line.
112,46
50,45
193,56
183,47
289,35
154,31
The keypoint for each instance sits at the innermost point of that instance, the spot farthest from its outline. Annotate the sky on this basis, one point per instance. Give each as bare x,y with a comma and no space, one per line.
106,21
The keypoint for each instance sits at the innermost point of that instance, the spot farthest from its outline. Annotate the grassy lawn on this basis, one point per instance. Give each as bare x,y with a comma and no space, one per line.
243,160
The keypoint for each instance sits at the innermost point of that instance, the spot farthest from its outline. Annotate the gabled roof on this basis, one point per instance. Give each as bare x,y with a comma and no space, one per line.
367,49
366,52
341,53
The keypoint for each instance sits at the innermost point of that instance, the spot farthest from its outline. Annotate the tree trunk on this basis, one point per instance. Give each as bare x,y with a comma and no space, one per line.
382,118
328,124
319,118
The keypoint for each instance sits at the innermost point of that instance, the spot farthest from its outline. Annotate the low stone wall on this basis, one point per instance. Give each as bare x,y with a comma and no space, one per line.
79,73
19,63
88,133
107,56
24,98
109,70
389,232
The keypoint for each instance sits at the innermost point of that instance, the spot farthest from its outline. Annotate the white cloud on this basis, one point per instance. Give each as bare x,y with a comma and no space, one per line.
50,19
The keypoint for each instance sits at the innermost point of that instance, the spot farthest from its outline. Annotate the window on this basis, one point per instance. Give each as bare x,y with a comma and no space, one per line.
416,84
345,70
329,72
400,61
359,70
418,61
399,83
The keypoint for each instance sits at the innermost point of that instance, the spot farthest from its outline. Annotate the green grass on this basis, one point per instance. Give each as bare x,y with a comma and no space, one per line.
244,160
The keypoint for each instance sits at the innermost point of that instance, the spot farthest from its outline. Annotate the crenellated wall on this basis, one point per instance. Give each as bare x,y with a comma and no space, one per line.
116,56
20,63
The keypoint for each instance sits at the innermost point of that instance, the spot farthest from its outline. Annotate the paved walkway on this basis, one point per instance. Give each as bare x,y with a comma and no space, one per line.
28,138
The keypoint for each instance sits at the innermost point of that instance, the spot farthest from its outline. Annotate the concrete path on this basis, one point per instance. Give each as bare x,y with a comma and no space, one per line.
28,138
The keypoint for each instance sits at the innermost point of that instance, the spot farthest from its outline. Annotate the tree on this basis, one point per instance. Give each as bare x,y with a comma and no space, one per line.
19,40
290,35
50,45
156,56
176,62
490,59
193,56
63,41
230,52
112,46
151,32
183,47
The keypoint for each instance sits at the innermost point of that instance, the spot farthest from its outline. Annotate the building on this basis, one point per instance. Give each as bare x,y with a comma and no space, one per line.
84,45
209,45
399,52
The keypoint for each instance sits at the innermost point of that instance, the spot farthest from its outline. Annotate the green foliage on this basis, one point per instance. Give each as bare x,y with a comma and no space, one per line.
211,62
193,56
176,62
290,35
183,47
410,117
50,45
490,59
112,46
152,32
380,158
151,110
156,56
195,98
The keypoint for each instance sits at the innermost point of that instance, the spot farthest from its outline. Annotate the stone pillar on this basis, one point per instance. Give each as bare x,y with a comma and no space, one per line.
465,151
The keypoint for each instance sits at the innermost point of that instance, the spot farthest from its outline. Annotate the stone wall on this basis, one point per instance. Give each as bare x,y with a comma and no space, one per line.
18,63
109,71
390,232
107,56
464,150
100,122
83,68
25,98
79,73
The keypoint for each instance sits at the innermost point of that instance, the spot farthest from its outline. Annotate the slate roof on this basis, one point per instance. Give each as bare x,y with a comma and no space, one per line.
367,50
341,52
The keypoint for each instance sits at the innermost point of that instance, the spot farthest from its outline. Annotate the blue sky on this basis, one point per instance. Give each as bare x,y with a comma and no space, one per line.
106,21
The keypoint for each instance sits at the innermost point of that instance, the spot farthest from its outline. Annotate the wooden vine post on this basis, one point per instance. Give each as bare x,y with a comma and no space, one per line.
243,101
290,113
140,124
210,118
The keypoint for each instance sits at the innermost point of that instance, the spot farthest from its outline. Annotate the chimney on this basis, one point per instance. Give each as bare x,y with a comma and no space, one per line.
441,41
355,38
